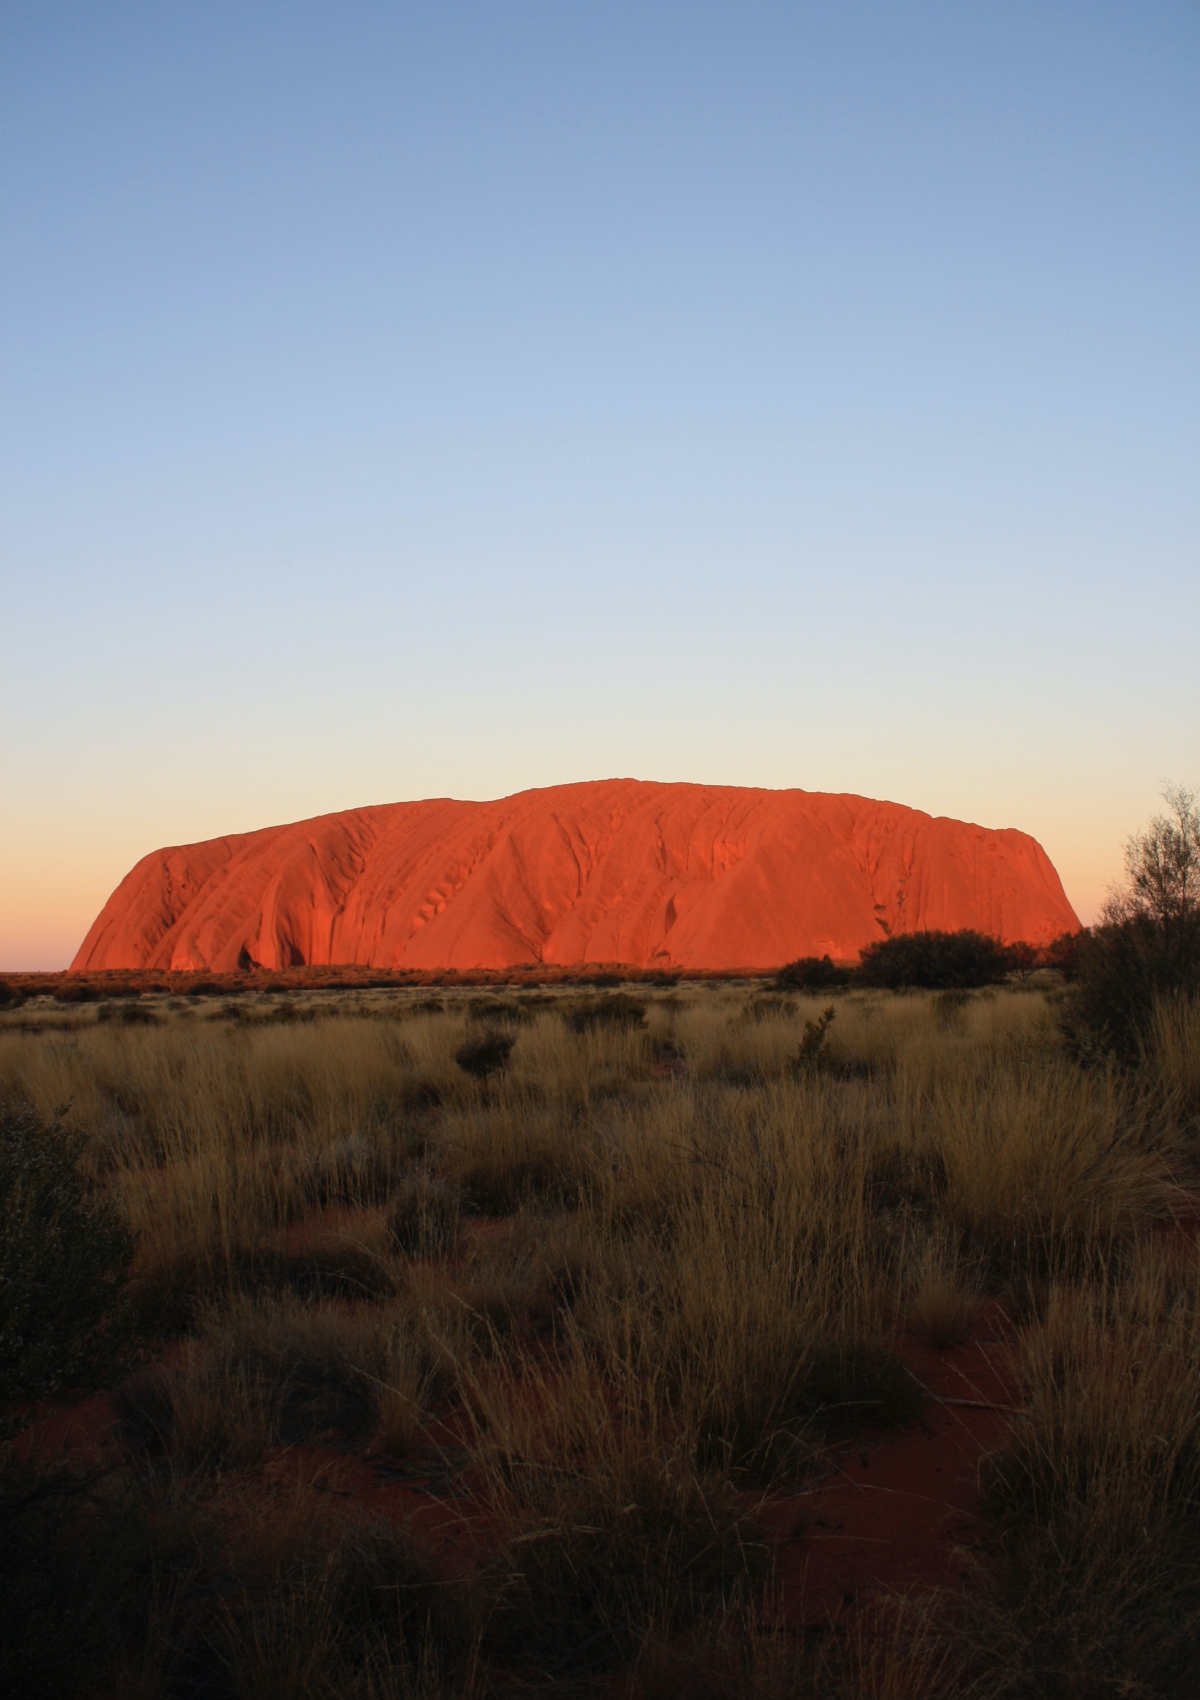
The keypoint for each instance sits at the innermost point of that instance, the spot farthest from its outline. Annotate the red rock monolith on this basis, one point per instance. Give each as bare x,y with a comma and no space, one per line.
618,870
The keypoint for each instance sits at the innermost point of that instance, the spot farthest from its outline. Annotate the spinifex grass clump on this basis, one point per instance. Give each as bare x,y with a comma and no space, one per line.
945,1302
600,1557
608,1528
425,1215
1096,1498
276,1589
282,1373
512,1154
786,1341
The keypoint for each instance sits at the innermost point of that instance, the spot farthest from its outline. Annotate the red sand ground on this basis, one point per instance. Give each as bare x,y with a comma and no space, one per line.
894,1512
654,876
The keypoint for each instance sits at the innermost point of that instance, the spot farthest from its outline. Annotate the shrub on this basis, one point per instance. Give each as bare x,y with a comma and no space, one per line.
486,1054
933,960
1162,865
74,991
127,1015
813,1055
1148,948
1062,953
65,1326
811,974
1124,970
10,994
618,1009
1023,958
492,1010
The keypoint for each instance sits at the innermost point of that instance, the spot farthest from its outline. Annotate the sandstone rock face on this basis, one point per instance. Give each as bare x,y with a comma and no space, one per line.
618,871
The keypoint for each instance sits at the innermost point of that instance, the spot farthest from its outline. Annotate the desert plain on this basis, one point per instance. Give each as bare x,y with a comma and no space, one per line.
607,1329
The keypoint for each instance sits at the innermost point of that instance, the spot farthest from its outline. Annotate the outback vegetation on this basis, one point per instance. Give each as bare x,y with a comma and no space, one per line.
522,1341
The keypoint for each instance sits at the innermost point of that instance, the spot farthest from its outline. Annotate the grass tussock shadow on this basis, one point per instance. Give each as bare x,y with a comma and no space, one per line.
268,1593
596,1558
283,1374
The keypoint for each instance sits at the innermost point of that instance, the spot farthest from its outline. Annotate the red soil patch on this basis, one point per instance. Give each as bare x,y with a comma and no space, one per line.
896,1510
893,1512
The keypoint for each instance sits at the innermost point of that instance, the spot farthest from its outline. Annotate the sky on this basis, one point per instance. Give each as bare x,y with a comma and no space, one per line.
441,400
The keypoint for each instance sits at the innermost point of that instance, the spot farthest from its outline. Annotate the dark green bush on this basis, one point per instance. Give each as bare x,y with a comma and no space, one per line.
813,1056
1064,951
74,991
1149,945
485,1054
1123,970
65,1325
935,961
10,994
1022,958
487,1009
812,974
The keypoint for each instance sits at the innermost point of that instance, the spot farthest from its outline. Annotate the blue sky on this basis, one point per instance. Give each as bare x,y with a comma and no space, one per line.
424,400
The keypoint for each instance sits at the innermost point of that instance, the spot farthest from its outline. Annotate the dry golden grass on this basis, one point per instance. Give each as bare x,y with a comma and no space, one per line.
1175,1054
944,1302
708,1256
1097,1496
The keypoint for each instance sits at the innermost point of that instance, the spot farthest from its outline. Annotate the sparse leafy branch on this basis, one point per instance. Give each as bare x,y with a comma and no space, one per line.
1162,866
813,1054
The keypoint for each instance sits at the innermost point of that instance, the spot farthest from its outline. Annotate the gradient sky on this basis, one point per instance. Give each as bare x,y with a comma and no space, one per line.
428,400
